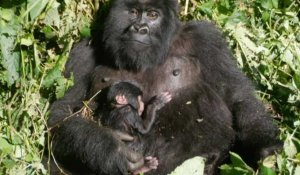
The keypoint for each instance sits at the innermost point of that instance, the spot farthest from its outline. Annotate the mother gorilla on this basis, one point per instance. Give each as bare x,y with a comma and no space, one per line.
213,108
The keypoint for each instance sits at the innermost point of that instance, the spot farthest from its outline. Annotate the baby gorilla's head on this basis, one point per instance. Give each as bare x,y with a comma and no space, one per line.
126,93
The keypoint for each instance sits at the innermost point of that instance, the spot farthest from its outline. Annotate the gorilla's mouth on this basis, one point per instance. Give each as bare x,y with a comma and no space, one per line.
139,42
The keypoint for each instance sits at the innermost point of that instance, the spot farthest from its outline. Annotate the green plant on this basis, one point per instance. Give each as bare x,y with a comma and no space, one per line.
264,37
35,40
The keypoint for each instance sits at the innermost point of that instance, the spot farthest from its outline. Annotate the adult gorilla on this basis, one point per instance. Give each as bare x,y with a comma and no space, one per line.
213,108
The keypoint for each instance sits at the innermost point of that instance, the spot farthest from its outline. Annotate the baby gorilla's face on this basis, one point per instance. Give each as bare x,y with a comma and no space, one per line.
141,105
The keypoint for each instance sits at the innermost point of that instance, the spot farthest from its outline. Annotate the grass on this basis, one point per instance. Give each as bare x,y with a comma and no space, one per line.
36,37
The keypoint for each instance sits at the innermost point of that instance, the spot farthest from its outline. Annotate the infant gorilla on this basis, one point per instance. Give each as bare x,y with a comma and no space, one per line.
127,115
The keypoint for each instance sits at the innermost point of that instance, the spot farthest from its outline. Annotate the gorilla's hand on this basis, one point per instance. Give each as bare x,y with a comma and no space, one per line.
160,100
113,156
133,160
99,149
265,152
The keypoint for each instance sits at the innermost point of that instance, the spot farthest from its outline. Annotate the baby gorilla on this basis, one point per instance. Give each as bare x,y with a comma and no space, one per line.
127,116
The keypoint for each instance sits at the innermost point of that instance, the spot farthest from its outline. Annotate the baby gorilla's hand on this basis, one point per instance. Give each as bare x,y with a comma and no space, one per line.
150,164
161,99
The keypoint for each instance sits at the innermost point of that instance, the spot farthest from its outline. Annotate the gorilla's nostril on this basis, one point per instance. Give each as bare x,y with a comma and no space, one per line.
143,30
136,27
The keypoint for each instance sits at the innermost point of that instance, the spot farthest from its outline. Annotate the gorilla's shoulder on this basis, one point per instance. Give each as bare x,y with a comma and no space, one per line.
200,27
83,43
203,32
81,60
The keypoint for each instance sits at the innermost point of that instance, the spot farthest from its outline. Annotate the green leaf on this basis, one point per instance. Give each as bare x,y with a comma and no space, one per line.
193,166
26,41
61,87
267,171
16,139
56,72
32,157
7,14
288,57
51,77
5,147
238,166
19,151
48,32
231,170
237,160
297,170
267,4
225,3
243,37
52,17
281,161
275,3
236,17
207,8
265,16
9,56
35,7
85,31
8,163
269,161
296,79
289,147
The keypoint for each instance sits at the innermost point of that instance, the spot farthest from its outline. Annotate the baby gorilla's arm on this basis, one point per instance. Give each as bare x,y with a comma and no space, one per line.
149,116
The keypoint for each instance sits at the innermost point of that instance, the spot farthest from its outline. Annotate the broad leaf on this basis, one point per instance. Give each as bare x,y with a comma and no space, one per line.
5,147
10,57
35,7
193,166
289,147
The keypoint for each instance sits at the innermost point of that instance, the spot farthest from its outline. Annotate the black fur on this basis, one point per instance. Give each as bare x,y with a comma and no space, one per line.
130,91
213,107
126,117
125,56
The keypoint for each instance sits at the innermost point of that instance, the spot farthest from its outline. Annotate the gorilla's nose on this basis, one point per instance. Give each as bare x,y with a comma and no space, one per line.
143,30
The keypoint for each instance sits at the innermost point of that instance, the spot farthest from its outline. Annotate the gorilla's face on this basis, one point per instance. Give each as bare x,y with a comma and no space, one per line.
137,32
142,31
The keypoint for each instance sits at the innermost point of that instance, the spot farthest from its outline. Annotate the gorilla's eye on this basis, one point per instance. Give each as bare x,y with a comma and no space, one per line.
133,12
153,15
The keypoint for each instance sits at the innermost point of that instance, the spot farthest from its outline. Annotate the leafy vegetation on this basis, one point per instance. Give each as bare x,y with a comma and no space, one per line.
36,37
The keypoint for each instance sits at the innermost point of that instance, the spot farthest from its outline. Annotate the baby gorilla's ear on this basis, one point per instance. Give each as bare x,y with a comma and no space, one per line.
121,99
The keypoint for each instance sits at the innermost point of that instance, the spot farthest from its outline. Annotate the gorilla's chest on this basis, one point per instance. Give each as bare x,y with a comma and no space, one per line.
174,74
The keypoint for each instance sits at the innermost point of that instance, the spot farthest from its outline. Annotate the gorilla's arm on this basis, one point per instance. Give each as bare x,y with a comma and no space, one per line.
149,115
77,142
81,63
256,133
84,147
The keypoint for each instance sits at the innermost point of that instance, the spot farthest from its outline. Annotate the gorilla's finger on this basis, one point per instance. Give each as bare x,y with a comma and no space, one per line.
124,136
132,156
136,165
149,158
151,162
168,97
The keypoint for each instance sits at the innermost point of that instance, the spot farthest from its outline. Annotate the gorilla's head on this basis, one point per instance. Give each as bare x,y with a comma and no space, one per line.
137,33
